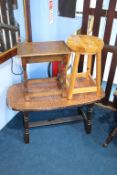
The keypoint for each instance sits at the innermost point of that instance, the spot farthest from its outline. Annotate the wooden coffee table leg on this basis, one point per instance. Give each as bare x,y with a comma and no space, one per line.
26,127
87,117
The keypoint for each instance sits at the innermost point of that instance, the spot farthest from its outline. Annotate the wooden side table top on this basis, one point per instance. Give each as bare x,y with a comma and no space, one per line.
43,49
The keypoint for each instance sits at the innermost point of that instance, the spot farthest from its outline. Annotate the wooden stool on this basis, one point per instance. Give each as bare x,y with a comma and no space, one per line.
84,45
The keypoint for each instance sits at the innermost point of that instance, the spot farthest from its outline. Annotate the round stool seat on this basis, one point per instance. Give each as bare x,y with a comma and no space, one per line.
85,44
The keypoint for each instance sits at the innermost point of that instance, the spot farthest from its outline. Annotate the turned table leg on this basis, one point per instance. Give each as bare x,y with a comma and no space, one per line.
110,137
87,117
26,127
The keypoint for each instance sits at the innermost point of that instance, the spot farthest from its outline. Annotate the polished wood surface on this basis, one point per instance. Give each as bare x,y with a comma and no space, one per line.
49,94
17,101
43,49
85,44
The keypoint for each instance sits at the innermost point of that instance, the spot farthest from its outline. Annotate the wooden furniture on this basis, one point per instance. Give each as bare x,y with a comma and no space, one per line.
87,11
49,93
43,52
113,133
16,101
85,45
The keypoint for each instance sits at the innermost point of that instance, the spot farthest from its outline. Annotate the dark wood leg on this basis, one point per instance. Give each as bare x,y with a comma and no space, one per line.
87,117
26,127
110,137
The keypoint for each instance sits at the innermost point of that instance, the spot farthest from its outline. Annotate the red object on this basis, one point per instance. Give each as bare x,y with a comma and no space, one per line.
55,68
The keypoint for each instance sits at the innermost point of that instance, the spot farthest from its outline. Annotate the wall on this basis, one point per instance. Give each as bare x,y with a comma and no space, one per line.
7,78
60,29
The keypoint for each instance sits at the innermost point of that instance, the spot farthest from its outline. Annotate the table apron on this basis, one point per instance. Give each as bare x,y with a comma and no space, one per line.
40,59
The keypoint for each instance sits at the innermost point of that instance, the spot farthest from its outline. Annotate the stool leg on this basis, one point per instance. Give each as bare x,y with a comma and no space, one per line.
98,72
73,75
89,64
26,127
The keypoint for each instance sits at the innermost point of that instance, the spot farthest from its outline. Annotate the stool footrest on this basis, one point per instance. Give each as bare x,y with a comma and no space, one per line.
85,89
78,75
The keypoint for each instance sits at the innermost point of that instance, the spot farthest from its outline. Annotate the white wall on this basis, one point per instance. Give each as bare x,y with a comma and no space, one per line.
60,29
7,78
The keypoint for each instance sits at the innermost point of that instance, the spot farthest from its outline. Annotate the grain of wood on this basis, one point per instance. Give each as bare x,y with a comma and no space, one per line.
16,100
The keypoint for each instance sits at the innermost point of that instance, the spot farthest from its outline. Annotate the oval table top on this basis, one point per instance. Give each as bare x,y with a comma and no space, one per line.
16,100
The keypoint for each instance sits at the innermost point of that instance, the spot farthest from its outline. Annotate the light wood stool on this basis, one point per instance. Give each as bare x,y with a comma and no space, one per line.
84,45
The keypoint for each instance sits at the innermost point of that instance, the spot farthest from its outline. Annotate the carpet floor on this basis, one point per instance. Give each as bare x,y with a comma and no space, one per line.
60,149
